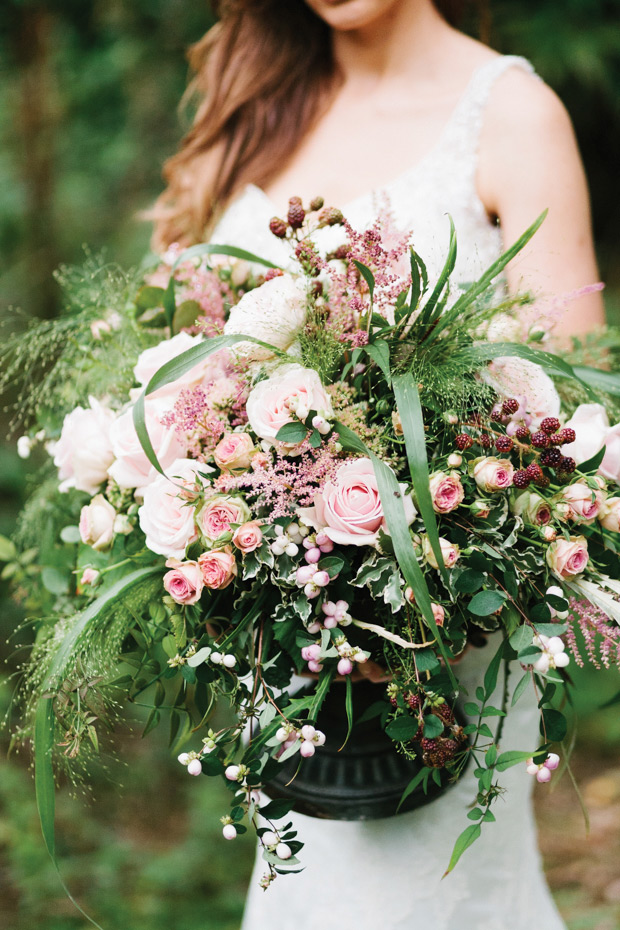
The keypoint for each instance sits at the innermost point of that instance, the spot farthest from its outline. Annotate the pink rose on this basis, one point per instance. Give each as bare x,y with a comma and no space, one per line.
449,551
151,360
446,491
218,568
132,469
584,504
532,508
439,614
90,576
167,514
609,515
492,474
348,509
216,515
184,582
97,523
591,425
269,403
84,450
568,557
248,537
234,452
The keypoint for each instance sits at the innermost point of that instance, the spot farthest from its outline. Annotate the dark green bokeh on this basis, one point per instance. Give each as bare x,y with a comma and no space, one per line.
88,98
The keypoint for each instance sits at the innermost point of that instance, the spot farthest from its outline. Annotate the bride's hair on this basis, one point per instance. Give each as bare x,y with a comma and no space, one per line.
263,74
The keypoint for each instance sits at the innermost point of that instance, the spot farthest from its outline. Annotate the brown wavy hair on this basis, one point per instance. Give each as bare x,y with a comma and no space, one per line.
263,75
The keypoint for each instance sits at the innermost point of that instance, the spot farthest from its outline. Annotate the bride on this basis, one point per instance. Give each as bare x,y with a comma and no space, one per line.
367,103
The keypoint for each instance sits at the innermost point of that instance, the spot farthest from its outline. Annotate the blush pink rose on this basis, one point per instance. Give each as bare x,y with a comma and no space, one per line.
234,452
131,468
84,451
269,403
215,517
248,537
450,552
218,568
568,557
184,582
492,474
532,508
348,509
97,523
151,360
609,515
592,429
167,515
439,614
446,491
584,504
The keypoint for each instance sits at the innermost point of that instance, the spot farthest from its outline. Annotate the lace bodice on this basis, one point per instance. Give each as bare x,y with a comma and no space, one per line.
387,873
421,198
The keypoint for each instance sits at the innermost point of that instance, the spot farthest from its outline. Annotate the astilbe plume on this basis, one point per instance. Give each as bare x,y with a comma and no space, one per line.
281,483
601,635
199,284
201,420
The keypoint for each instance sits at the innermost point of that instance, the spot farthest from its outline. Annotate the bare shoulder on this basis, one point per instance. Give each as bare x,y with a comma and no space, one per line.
522,107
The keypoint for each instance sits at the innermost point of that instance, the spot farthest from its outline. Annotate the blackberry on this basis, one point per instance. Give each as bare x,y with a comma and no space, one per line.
278,227
504,444
445,713
496,414
296,213
566,465
523,433
428,745
534,472
550,457
330,216
550,425
394,701
413,700
556,439
521,479
543,482
463,441
475,419
510,406
442,754
540,440
569,434
342,251
485,441
316,204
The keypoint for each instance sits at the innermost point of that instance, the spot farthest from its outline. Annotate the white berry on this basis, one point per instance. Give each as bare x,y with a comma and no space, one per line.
229,832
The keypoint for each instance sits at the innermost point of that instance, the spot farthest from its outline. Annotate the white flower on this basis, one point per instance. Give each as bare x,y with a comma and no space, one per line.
167,515
275,313
84,450
132,469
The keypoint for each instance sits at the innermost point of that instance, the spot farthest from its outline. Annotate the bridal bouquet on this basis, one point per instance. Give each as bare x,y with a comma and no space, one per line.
336,468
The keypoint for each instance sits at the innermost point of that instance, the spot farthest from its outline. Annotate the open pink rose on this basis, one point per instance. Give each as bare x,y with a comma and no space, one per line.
218,568
609,515
568,557
450,552
234,452
348,509
184,582
591,425
131,468
97,523
216,515
167,516
584,504
248,537
84,451
446,491
269,403
492,474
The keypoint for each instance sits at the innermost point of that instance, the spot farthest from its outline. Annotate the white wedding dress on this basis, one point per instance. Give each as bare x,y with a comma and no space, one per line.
387,874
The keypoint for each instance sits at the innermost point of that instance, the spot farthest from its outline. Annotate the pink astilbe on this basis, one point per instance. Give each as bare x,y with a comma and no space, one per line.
202,415
601,635
281,484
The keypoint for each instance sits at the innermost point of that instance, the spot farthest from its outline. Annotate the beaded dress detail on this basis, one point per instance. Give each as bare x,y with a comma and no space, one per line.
386,874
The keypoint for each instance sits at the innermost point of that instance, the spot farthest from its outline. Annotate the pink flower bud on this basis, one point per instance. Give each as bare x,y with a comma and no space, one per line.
308,731
330,623
314,627
194,767
305,654
321,579
315,666
552,761
283,851
329,608
314,651
304,574
307,749
319,738
326,546
543,775
313,555
311,590
232,772
322,539
345,667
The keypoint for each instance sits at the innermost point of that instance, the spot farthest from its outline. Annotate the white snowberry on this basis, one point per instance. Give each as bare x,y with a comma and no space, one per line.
194,767
229,832
283,851
229,661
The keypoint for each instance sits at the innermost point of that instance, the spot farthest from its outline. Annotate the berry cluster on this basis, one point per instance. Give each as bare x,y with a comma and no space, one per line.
440,750
296,216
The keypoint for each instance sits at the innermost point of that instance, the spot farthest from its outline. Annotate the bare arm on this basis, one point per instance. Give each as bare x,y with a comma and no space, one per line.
529,162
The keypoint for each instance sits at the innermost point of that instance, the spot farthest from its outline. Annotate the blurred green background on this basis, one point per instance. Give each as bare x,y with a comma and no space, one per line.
88,97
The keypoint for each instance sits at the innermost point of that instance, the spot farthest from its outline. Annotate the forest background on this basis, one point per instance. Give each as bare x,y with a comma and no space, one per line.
88,112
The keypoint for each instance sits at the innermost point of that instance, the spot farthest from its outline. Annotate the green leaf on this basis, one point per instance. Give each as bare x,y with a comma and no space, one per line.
465,840
609,383
507,759
293,432
432,307
553,725
476,814
471,709
402,728
368,277
486,603
521,638
521,686
69,535
277,809
54,580
410,410
469,581
185,315
491,756
149,297
433,726
331,564
413,784
348,704
152,722
379,352
490,676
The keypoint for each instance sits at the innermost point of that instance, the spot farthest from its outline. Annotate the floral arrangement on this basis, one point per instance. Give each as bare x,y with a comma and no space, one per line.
326,469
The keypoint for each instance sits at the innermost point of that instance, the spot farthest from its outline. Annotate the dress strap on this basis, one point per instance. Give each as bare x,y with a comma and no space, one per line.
466,124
